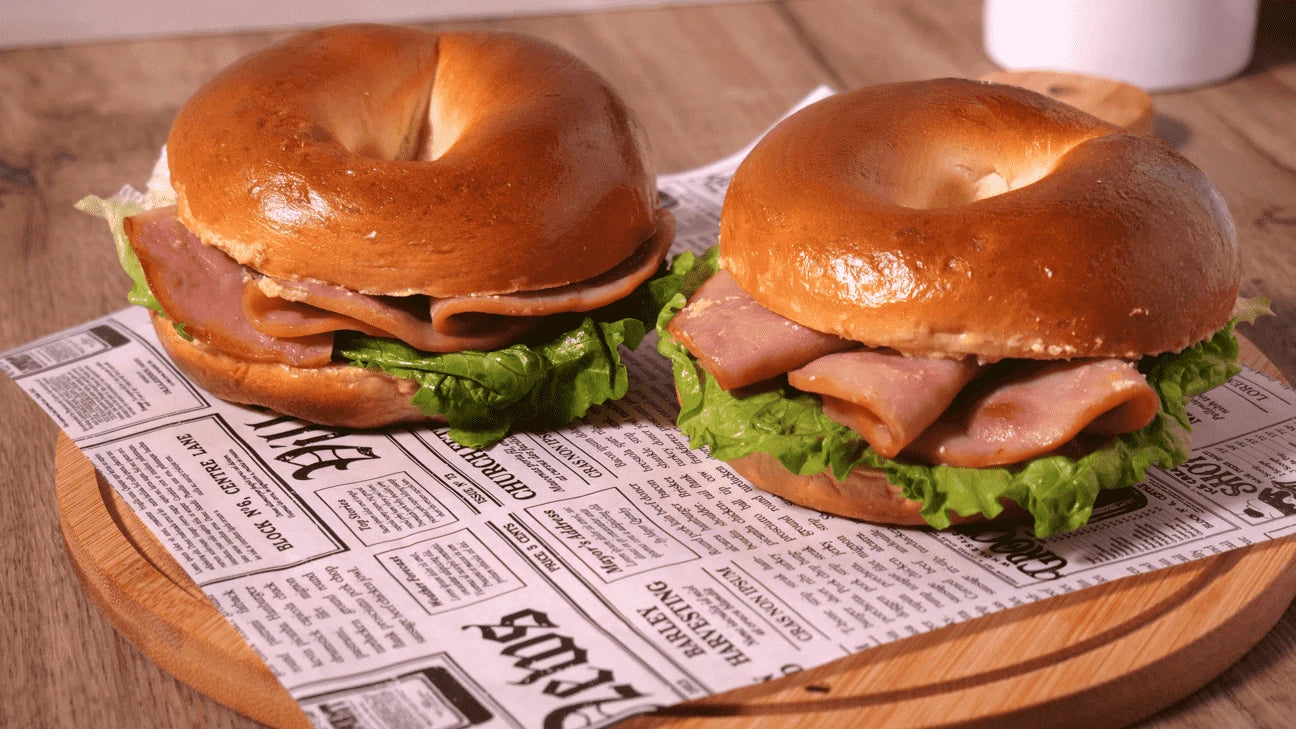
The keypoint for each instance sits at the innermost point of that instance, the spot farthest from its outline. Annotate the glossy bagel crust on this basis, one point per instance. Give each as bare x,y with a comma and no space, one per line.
338,395
396,161
873,215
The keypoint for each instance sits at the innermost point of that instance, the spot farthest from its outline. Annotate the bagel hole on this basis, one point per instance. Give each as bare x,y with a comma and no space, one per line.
418,140
445,121
962,184
403,120
401,131
416,143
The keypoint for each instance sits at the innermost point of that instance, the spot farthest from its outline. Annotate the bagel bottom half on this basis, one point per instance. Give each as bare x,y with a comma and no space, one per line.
865,494
338,395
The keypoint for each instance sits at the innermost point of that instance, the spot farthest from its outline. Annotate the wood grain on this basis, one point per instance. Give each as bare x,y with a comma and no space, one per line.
704,79
1112,101
148,597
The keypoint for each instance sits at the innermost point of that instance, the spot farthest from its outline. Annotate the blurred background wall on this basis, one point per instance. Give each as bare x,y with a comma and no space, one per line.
47,22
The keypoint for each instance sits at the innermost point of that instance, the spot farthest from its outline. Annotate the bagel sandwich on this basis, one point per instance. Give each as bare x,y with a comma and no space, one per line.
366,225
934,301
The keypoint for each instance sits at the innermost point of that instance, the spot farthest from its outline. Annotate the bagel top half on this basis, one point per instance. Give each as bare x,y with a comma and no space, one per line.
396,161
961,217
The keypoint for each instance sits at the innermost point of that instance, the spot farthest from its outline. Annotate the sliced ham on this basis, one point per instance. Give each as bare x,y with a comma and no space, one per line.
237,310
1036,408
203,288
280,317
887,398
741,342
457,314
289,308
947,411
292,308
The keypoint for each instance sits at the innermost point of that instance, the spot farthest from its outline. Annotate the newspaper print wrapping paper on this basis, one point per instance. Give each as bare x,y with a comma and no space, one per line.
574,578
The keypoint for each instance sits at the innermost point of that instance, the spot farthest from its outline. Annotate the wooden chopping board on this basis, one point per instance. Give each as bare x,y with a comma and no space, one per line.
1102,657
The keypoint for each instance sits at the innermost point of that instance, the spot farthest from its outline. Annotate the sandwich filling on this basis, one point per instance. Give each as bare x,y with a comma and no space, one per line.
233,308
486,364
956,435
1005,413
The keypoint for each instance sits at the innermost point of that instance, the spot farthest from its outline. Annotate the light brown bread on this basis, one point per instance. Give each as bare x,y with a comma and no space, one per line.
865,494
962,217
337,395
397,161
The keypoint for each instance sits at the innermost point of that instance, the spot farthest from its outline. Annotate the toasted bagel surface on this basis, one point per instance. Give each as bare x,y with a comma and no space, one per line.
961,217
337,394
396,161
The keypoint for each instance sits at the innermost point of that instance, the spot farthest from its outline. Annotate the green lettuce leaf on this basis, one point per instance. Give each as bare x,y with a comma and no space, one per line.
485,395
543,383
114,211
1058,491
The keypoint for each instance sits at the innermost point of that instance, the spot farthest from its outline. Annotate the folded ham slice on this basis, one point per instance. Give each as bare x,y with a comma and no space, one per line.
235,309
923,409
887,398
203,288
1035,408
451,315
741,342
292,308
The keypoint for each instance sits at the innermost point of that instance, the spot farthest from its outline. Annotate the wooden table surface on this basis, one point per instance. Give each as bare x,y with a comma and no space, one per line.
86,119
